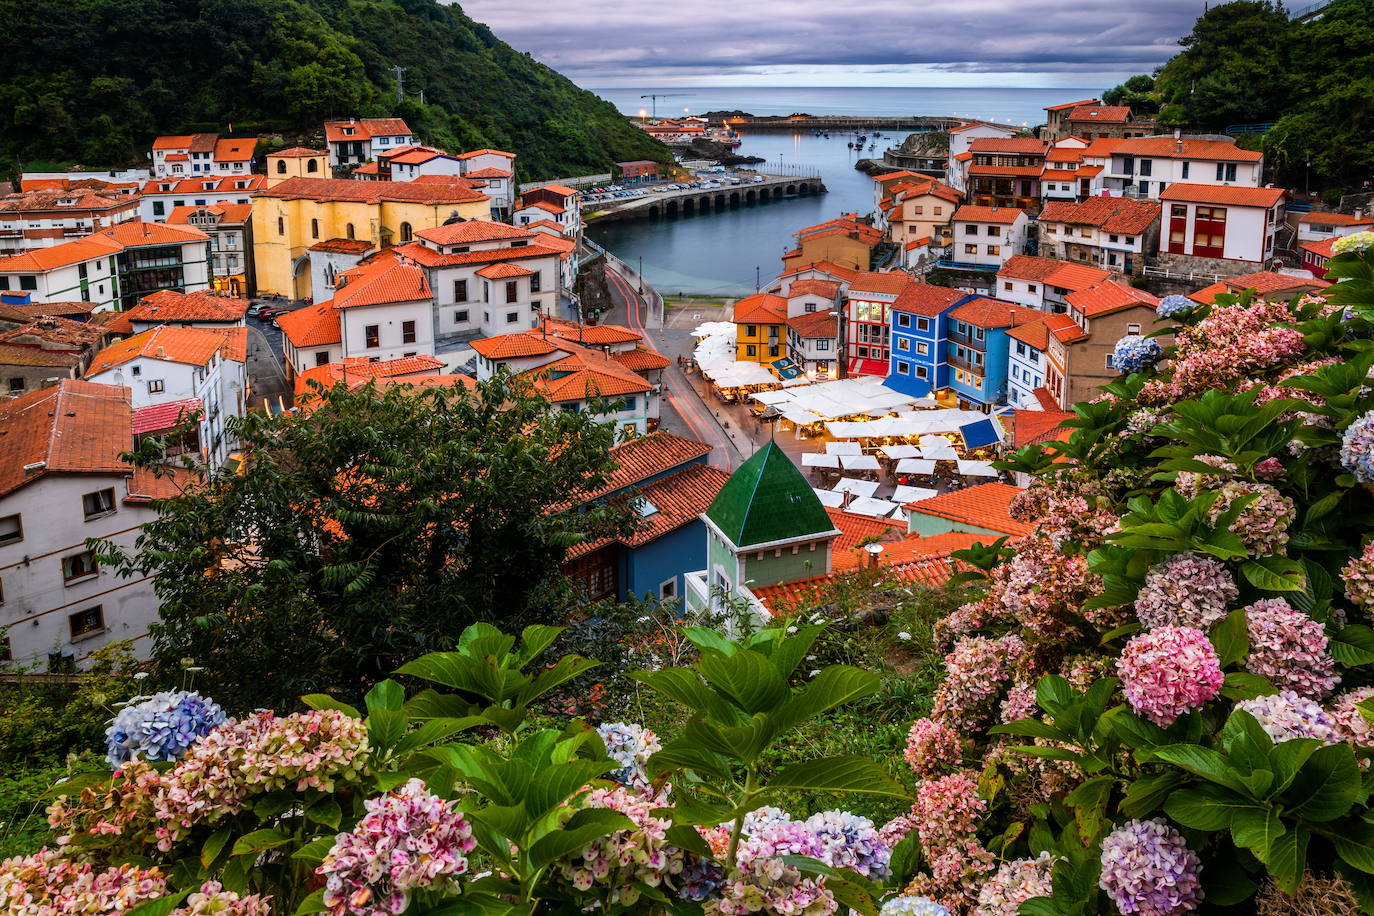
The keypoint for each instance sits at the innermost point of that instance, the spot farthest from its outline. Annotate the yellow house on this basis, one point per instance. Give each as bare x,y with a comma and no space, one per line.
297,162
761,328
299,212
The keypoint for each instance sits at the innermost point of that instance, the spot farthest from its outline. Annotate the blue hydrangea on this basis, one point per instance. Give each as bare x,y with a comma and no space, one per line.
1170,306
759,818
912,906
160,727
1357,448
700,879
1134,353
851,841
631,746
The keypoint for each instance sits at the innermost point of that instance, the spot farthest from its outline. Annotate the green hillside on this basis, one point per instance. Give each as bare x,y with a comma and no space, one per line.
94,80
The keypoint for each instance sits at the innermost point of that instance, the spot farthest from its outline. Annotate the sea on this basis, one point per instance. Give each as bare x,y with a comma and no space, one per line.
723,254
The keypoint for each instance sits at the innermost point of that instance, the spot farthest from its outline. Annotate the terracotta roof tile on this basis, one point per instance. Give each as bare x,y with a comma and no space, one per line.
761,308
1022,145
679,499
814,324
503,270
73,427
1062,274
1077,104
1335,219
167,482
1122,215
298,152
340,189
473,230
192,346
1103,114
169,305
1222,194
867,281
1108,297
1262,282
158,417
925,299
1032,427
423,254
364,129
382,282
357,371
230,149
472,154
514,346
983,312
641,359
1169,148
826,289
971,214
312,326
1325,248
343,246
648,456
986,505
590,334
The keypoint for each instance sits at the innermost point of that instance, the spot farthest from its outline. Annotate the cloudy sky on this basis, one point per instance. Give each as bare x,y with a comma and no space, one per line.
1029,43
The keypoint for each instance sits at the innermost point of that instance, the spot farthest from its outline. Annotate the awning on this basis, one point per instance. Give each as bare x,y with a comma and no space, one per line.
916,466
843,448
981,433
816,460
977,469
857,487
829,498
876,367
800,417
786,368
859,462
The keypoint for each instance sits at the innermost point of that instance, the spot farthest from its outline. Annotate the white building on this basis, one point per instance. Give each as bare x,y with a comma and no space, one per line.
161,196
201,154
385,310
496,170
553,202
332,257
44,218
1029,365
1114,233
1221,222
61,482
168,365
1043,283
987,236
1316,227
960,137
112,268
230,228
356,141
1145,166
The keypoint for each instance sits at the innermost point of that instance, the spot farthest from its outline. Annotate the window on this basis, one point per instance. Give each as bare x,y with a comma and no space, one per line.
751,350
159,208
11,529
156,386
994,249
281,166
667,590
1109,361
904,368
922,372
373,336
407,332
1007,286
460,291
348,230
407,233
970,249
750,330
281,225
1020,348
314,228
1032,287
903,344
512,291
87,622
863,351
136,371
920,211
460,316
1185,170
923,349
1147,166
923,324
903,321
16,385
322,358
512,317
992,230
1226,171
970,230
823,344
809,307
79,566
536,282
939,211
101,502
312,166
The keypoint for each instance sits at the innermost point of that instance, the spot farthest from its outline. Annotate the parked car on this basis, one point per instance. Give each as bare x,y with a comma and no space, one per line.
257,309
271,314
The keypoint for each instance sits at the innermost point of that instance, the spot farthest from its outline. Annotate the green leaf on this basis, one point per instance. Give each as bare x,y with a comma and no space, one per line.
586,825
1149,792
259,840
385,728
1205,807
1053,694
1030,728
325,701
213,846
326,812
315,851
1288,859
1326,786
905,860
1355,845
1242,685
1040,906
314,903
1231,638
385,694
1256,828
1089,802
1274,574
748,678
834,686
1353,646
159,907
838,774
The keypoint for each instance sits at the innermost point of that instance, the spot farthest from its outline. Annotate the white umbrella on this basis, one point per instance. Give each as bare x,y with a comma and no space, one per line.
904,495
843,448
830,498
857,487
977,469
815,460
901,451
867,505
859,462
916,466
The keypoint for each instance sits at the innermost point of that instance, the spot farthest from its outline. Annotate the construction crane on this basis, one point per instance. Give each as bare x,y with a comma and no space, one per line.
655,96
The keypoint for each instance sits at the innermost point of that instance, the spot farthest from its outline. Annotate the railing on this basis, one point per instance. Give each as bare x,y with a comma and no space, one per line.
961,363
1258,128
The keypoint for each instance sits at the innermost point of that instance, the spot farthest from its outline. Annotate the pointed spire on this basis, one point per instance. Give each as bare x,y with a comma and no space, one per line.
767,500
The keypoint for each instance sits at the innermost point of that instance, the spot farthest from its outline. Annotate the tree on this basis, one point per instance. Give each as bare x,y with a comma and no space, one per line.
1138,92
368,530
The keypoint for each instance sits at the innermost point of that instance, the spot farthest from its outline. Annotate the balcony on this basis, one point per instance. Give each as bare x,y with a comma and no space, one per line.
961,337
967,365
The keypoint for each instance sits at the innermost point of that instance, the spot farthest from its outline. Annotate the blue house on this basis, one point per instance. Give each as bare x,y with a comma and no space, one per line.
977,346
667,482
919,320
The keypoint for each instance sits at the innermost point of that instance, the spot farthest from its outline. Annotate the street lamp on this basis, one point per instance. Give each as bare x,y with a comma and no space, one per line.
757,284
641,274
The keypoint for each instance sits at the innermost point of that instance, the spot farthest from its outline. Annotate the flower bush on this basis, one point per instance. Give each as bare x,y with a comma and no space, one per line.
1170,306
1134,353
160,727
1185,590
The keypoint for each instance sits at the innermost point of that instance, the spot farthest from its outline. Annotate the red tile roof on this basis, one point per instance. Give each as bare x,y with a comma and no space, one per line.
679,499
472,154
382,282
364,129
1123,215
1105,114
1063,274
514,346
1036,333
167,482
230,149
1335,219
504,270
77,199
371,192
1023,145
562,189
761,308
1324,248
1169,148
473,230
826,289
1102,147
585,374
647,456
925,299
1223,194
1262,282
298,152
928,187
1110,296
73,427
100,244
357,371
1077,104
158,417
343,246
1033,427
590,334
640,359
891,283
169,305
542,205
1005,171
971,214
312,326
983,312
986,505
812,325
192,346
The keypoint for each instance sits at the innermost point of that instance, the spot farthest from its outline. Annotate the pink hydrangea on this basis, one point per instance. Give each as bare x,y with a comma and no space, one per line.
213,900
1019,704
1351,725
1169,671
976,670
896,830
1233,343
947,809
1041,586
1262,525
762,883
1014,883
622,861
49,884
956,874
933,747
1185,590
1358,577
409,840
1148,869
1285,716
1289,648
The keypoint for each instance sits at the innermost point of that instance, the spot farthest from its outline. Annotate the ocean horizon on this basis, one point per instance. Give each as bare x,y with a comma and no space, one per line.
1009,104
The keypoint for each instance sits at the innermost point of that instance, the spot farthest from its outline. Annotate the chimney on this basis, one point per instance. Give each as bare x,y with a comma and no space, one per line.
161,352
36,468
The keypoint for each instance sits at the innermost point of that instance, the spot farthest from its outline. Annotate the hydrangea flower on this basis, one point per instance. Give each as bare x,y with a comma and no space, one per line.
622,861
1358,578
947,809
1351,726
1167,672
700,879
1170,306
631,746
762,882
160,727
49,884
1148,869
1355,243
1357,448
1262,525
912,906
1185,590
1134,353
1285,716
763,817
1289,648
1013,884
1019,704
409,839
213,900
933,747
975,669
850,841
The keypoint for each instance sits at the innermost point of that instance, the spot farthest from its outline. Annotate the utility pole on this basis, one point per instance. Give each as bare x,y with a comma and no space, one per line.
400,82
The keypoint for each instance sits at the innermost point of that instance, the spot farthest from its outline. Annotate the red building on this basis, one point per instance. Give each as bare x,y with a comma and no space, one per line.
867,334
636,170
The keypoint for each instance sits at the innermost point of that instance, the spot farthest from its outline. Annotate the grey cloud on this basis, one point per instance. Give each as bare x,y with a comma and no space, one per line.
716,37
